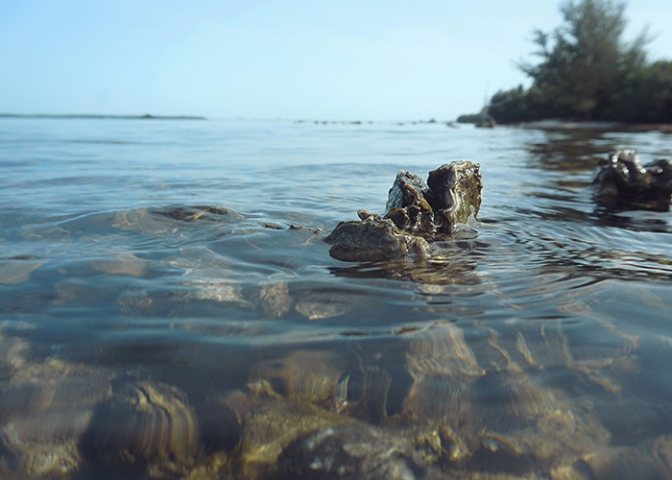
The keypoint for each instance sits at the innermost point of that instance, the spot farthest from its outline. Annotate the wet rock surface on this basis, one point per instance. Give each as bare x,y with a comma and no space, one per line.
418,213
372,239
620,180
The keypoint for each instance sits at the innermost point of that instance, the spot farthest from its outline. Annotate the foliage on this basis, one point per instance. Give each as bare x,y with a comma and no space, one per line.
469,118
518,105
587,72
648,95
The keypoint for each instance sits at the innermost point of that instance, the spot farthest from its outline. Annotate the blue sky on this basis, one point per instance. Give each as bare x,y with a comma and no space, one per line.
309,59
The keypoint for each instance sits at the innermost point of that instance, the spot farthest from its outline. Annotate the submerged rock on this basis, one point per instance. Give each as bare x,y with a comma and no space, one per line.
144,425
417,213
45,408
351,451
621,179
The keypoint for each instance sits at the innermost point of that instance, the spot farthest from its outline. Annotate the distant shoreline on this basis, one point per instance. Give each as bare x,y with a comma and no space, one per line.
598,125
102,117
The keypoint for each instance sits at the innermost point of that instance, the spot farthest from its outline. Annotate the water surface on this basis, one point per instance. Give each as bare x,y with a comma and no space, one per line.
546,308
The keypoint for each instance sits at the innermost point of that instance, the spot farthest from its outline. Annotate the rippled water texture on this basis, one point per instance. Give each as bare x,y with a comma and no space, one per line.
168,308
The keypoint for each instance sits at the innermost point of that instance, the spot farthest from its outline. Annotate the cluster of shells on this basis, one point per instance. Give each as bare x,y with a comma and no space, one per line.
416,215
621,180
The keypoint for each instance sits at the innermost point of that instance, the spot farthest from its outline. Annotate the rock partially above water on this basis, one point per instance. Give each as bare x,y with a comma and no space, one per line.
622,180
417,213
372,239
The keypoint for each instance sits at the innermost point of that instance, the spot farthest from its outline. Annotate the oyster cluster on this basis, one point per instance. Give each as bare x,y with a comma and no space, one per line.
417,213
620,179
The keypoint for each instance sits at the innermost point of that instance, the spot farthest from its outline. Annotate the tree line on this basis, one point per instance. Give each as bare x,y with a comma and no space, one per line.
588,72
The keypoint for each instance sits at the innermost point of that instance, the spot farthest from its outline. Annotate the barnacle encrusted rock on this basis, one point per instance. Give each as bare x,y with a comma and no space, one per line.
417,213
372,239
621,179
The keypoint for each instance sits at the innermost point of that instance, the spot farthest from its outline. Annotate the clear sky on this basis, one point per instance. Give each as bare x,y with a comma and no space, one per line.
307,59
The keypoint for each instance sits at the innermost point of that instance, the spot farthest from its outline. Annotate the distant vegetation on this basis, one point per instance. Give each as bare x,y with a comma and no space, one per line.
470,118
588,72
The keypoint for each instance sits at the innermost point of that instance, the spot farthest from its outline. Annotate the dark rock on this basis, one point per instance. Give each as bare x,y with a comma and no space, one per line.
370,240
351,452
622,180
200,212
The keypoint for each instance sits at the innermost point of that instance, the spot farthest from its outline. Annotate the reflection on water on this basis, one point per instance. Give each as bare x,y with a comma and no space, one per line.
180,317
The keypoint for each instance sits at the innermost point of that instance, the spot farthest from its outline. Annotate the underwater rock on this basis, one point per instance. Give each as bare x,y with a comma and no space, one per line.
199,212
355,451
621,179
417,214
300,432
274,299
44,410
304,375
145,425
271,424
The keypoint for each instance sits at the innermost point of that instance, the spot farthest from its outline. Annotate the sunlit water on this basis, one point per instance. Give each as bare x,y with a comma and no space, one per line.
109,278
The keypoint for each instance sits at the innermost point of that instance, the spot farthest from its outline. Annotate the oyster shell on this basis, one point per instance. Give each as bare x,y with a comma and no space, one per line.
454,193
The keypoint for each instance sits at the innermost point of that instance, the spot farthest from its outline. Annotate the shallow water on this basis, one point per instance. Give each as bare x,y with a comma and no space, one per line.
561,309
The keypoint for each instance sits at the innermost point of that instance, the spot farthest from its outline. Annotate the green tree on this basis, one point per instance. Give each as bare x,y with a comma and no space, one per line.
519,105
648,97
588,72
585,62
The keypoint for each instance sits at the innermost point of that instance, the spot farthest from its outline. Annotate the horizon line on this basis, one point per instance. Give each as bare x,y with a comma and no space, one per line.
146,116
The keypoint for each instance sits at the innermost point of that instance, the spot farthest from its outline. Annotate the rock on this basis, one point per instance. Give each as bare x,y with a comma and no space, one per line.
371,240
417,214
622,180
354,451
144,425
45,409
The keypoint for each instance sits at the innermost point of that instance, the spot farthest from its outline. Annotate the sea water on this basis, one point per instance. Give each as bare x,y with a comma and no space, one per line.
112,260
